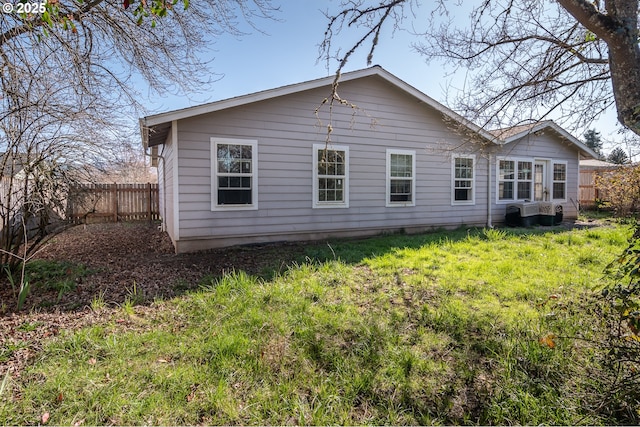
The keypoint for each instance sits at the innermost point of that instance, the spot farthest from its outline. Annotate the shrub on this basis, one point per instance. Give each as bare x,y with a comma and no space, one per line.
620,313
621,189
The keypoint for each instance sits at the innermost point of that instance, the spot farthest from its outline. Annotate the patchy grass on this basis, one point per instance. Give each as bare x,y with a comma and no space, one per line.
58,276
461,327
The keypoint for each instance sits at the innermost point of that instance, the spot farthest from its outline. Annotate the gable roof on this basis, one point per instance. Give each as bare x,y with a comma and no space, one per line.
508,135
504,133
155,128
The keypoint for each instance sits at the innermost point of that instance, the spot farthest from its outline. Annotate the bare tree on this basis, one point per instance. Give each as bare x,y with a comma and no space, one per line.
130,166
103,45
69,78
526,58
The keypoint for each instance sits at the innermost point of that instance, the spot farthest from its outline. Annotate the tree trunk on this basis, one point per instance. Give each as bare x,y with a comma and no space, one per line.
624,63
619,29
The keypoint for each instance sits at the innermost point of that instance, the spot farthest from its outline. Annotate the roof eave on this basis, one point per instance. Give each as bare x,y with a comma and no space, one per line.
253,97
150,122
144,132
555,127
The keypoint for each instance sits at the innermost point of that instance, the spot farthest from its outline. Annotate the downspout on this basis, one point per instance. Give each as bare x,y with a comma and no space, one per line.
489,221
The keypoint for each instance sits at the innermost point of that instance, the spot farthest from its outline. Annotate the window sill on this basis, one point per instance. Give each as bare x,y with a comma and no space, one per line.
219,208
330,206
400,205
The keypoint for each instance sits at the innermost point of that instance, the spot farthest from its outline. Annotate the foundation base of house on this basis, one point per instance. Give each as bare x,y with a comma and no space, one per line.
200,244
205,243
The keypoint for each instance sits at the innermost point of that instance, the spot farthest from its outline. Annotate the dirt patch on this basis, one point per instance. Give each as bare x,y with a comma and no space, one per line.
124,260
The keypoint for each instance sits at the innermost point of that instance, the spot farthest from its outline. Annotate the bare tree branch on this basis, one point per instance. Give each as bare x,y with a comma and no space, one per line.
562,57
68,87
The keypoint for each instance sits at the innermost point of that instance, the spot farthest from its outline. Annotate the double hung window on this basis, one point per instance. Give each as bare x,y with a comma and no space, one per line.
401,165
463,180
234,177
330,176
559,181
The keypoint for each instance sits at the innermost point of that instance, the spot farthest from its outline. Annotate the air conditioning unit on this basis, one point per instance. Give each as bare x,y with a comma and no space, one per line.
551,213
522,214
547,213
528,209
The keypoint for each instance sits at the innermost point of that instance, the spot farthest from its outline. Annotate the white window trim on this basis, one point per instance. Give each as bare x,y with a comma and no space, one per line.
455,202
214,174
388,203
515,180
553,181
317,204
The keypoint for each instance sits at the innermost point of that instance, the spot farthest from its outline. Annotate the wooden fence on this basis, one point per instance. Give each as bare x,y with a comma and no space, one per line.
113,203
590,195
588,191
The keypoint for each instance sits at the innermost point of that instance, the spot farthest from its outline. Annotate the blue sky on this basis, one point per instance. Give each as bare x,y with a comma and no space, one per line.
286,52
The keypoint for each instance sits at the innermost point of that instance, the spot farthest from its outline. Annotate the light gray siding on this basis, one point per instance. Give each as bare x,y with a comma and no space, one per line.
547,146
166,172
286,127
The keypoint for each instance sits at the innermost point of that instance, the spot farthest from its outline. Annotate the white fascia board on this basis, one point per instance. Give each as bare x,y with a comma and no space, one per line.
574,140
376,70
253,97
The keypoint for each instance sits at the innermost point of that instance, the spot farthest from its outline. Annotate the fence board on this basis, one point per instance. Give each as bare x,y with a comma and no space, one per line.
113,202
590,194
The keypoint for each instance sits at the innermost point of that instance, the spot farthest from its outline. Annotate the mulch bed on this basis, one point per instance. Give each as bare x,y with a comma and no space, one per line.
122,258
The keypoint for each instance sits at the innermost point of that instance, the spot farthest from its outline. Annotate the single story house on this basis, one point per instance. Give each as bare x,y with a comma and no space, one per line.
284,165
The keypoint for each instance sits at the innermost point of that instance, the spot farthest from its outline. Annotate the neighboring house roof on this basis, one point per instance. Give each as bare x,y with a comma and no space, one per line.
10,164
597,164
155,128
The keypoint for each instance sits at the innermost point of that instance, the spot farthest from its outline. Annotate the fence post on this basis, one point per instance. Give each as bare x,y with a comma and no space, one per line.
149,202
115,202
134,196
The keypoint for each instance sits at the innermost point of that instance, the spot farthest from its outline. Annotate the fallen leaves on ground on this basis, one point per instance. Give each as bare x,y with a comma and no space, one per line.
548,340
124,260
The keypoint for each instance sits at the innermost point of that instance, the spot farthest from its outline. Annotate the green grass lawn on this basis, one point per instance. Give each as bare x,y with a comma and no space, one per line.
461,327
